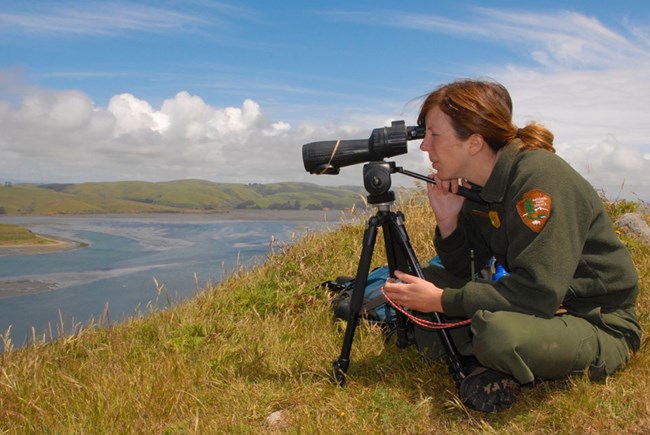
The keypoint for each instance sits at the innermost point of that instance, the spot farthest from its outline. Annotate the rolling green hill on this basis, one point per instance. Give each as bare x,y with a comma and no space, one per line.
171,196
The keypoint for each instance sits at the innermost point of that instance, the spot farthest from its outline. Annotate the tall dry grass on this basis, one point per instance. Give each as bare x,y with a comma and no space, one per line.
254,354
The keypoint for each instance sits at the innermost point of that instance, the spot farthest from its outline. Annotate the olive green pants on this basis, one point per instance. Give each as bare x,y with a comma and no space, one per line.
529,347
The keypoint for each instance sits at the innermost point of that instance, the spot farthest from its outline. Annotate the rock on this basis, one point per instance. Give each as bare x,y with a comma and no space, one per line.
634,225
275,419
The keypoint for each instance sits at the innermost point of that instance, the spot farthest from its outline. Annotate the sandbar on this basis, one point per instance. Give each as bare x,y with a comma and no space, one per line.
57,244
21,287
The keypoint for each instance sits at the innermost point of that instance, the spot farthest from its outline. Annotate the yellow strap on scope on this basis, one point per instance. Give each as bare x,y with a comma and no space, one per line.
336,147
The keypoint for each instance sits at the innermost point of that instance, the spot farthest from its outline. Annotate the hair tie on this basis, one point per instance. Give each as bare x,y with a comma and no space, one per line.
518,135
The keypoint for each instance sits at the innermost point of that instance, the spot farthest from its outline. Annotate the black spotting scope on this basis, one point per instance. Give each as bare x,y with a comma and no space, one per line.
327,157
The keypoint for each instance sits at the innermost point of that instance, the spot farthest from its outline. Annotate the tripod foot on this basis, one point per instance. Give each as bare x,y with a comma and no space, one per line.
338,373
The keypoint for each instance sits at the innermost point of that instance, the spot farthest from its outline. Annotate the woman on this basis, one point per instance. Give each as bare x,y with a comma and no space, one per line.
567,304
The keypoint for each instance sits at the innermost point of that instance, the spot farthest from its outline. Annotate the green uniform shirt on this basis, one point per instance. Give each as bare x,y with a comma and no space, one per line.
548,227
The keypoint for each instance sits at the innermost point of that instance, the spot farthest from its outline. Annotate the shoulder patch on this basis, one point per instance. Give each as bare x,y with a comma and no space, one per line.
534,209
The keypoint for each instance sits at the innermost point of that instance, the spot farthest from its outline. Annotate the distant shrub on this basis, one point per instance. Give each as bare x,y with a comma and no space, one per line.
285,205
249,203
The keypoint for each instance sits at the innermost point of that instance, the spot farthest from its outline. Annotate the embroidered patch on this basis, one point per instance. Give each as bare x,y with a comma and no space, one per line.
534,209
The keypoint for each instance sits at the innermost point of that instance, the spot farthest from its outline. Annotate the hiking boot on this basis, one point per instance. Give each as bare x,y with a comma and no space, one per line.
488,390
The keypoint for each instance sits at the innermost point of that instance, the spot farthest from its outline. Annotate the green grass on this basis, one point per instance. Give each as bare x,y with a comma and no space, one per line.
263,342
13,233
17,235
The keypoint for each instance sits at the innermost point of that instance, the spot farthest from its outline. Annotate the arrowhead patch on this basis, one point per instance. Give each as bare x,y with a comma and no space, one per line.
534,209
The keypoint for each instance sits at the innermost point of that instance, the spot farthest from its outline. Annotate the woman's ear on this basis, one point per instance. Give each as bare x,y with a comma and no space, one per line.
476,144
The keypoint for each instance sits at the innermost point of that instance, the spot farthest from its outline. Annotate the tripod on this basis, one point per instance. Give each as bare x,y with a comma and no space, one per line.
400,255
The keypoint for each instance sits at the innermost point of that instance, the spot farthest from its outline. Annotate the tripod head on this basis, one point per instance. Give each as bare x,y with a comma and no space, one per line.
377,181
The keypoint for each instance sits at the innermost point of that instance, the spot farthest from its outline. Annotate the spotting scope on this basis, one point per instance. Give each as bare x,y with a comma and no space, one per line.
327,157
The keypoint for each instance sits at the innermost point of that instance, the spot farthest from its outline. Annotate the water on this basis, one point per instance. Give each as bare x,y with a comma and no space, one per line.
118,266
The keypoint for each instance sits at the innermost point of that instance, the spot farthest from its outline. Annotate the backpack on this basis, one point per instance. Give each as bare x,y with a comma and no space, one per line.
375,308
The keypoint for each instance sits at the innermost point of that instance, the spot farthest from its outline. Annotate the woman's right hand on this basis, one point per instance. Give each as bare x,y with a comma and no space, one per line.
446,205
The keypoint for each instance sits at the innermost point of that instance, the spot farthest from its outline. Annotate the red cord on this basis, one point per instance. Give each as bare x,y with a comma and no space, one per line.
423,322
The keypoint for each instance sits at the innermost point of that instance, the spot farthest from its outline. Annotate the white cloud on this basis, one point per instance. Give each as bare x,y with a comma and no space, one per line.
556,39
133,115
66,111
563,38
60,136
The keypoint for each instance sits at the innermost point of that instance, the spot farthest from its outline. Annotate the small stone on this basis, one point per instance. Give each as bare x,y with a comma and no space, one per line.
275,418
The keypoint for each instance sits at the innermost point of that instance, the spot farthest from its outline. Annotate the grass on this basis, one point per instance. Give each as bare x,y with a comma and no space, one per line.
261,344
12,235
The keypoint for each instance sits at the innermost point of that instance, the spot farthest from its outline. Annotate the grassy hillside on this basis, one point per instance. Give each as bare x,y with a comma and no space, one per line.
173,196
253,355
31,199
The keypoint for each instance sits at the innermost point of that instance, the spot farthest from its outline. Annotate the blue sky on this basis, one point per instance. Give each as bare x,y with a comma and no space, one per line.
229,91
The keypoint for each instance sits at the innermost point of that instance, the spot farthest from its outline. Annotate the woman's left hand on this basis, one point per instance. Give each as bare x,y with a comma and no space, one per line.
415,293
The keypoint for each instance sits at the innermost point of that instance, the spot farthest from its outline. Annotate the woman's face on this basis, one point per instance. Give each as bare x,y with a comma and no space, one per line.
448,153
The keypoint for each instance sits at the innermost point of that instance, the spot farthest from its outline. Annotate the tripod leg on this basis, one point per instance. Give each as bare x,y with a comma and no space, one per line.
395,262
399,247
341,365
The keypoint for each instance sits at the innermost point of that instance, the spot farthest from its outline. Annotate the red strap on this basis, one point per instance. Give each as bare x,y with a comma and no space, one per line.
423,322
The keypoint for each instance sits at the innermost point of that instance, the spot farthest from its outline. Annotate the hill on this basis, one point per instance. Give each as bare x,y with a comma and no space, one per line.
170,197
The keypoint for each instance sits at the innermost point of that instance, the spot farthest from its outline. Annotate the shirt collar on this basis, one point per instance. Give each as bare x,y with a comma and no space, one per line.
495,188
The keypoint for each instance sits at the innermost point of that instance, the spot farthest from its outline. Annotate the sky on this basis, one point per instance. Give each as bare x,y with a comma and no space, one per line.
229,91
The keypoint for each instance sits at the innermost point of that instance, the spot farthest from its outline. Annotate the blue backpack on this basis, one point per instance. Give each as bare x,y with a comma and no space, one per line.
374,307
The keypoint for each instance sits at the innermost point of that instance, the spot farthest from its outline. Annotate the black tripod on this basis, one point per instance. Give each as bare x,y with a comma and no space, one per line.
400,255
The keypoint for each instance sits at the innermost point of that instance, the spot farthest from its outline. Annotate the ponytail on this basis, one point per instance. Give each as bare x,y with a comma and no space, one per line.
535,136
